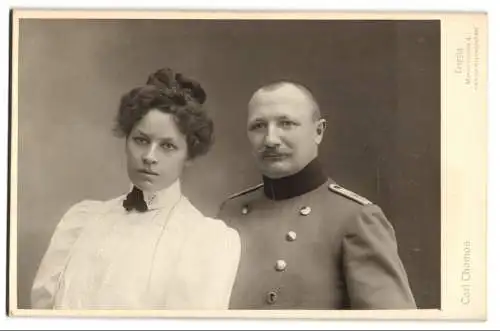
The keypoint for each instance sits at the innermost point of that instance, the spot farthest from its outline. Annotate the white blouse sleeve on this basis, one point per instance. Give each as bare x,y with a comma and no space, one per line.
54,261
222,251
227,258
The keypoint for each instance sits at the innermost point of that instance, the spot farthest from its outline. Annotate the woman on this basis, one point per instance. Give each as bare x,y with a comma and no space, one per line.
150,248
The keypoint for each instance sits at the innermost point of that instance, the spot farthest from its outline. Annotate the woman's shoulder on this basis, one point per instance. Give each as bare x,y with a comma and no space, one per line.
82,207
217,224
219,230
77,213
88,207
95,204
212,227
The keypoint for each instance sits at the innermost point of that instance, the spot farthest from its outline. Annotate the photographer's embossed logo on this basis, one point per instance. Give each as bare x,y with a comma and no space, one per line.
466,274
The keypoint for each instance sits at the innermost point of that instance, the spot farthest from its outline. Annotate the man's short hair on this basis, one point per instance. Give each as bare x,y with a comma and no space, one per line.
316,113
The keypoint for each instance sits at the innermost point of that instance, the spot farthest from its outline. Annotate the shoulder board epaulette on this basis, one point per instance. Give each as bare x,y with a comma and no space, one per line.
248,190
348,194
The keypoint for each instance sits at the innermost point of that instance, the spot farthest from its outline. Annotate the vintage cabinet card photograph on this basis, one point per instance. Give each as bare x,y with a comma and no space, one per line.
319,165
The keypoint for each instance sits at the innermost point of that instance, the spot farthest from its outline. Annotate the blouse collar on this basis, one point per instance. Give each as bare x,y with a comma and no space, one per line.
166,197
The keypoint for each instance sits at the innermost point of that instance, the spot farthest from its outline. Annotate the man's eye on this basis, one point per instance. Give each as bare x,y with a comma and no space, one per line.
257,126
287,124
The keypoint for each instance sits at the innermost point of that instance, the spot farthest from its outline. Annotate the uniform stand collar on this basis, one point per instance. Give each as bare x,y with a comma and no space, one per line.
306,180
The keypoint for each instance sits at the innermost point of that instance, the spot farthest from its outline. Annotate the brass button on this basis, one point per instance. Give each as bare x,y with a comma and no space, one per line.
271,297
291,236
304,211
280,265
245,210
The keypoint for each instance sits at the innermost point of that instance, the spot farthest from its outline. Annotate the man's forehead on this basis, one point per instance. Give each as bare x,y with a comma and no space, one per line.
286,94
278,110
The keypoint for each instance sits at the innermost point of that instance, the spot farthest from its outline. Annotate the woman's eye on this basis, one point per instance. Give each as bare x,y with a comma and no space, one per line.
168,146
140,140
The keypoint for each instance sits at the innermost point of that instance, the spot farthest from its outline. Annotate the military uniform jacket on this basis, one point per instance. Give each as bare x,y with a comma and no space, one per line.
326,249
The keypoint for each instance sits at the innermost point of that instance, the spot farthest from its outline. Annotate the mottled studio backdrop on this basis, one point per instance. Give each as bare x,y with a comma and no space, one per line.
378,85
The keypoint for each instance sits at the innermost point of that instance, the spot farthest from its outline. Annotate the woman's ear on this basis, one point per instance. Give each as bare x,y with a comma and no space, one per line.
320,130
125,142
188,163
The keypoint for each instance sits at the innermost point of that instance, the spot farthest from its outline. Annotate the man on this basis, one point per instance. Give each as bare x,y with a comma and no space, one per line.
307,243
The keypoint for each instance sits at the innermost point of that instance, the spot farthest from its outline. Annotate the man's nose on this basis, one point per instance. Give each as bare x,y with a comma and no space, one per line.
272,138
149,156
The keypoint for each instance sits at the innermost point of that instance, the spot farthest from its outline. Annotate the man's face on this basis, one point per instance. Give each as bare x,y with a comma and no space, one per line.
282,131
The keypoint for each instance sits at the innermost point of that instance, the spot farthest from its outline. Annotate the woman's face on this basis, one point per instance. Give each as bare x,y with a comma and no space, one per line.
157,152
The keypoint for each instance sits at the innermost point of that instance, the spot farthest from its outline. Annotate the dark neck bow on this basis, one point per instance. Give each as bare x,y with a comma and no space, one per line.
135,200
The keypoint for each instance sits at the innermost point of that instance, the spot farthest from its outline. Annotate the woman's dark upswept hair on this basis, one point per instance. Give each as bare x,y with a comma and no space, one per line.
171,93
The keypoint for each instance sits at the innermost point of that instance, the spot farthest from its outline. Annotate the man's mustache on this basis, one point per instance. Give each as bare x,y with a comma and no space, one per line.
272,152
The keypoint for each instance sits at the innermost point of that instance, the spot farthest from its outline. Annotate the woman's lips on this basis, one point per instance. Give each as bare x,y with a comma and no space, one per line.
148,172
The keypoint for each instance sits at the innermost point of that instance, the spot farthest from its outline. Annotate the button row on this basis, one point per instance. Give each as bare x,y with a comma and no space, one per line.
280,265
304,211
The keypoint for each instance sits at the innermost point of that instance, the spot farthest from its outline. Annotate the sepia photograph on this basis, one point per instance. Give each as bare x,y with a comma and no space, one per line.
246,165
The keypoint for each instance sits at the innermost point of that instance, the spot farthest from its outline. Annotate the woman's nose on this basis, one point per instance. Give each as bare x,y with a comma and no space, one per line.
150,156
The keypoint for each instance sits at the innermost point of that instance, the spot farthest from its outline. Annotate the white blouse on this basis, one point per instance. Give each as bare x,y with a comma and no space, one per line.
169,257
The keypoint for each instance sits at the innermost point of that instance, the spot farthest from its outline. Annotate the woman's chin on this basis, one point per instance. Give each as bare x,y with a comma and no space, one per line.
146,186
149,185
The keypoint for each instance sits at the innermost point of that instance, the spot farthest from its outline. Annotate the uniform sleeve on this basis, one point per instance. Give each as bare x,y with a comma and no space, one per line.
55,258
374,273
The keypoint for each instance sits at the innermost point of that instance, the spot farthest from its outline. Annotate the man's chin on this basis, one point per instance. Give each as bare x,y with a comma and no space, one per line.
276,170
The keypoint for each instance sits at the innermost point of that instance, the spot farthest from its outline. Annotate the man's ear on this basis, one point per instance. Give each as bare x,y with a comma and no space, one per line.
320,130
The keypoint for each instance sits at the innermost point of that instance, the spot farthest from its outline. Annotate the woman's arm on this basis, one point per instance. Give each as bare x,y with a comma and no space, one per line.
54,261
